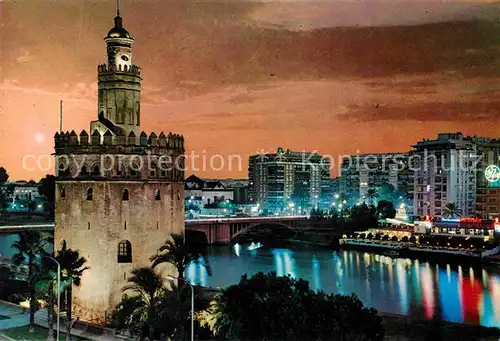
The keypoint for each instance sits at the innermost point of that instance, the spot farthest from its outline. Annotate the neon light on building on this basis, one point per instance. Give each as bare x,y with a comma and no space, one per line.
492,175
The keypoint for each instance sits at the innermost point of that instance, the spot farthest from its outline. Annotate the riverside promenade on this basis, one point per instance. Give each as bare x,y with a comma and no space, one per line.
398,246
17,316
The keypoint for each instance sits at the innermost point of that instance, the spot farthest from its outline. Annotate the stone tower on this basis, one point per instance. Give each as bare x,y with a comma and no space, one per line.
119,191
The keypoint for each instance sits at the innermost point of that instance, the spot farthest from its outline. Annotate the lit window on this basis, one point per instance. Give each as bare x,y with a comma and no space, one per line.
124,252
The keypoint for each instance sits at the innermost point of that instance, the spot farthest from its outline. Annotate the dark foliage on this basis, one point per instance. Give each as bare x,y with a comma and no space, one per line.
4,176
266,307
385,209
47,188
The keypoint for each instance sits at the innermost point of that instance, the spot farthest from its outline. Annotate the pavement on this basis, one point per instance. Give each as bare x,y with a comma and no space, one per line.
20,317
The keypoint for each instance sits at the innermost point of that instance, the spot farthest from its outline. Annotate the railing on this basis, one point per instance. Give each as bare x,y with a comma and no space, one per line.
243,219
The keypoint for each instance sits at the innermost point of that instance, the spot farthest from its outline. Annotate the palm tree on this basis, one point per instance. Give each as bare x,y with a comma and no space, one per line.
371,195
147,285
31,206
45,285
29,246
451,210
216,319
180,254
72,268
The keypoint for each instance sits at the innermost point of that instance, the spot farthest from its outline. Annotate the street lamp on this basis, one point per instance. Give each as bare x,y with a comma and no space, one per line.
192,302
58,292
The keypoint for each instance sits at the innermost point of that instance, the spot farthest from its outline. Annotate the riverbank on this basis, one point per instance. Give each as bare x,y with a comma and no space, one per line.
406,328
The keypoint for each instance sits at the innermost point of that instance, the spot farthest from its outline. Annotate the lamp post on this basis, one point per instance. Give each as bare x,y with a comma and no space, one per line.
192,302
58,291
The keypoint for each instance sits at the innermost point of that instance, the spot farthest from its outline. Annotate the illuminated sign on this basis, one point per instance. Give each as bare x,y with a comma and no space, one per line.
492,173
451,220
497,225
471,220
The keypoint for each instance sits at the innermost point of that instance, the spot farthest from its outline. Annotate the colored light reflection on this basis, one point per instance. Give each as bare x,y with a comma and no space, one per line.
401,286
237,249
316,275
451,306
428,291
197,274
284,263
402,278
472,292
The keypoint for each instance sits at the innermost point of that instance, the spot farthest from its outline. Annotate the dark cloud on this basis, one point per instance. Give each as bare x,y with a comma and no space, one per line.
428,112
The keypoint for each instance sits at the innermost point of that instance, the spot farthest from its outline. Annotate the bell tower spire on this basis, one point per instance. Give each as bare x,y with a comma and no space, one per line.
119,84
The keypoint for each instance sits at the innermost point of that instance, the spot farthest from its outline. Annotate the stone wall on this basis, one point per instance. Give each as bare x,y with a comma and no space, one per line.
95,228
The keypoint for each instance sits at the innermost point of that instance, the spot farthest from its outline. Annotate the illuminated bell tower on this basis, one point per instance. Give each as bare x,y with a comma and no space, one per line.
119,191
119,85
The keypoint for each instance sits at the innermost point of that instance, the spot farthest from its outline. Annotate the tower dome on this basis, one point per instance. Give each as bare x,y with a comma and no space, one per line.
119,31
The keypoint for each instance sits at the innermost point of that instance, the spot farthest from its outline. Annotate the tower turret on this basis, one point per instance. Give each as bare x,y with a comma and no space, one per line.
119,84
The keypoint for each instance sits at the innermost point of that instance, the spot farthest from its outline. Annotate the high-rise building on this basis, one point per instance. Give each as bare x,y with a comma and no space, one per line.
119,196
277,179
359,173
487,190
450,169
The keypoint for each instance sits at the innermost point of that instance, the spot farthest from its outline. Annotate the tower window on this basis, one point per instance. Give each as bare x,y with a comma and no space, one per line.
124,252
125,58
89,193
96,171
157,194
125,194
63,192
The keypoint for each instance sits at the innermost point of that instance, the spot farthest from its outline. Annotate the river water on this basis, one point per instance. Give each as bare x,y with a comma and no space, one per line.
456,293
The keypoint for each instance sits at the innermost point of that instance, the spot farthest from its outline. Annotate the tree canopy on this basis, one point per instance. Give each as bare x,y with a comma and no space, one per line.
4,176
266,307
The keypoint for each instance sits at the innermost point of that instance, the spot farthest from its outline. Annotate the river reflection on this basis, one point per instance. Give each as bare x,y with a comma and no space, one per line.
402,286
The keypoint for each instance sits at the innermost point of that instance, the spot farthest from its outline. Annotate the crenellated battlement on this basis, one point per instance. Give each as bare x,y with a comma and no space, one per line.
103,69
69,142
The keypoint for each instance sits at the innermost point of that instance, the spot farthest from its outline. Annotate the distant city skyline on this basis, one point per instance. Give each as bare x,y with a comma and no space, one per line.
238,78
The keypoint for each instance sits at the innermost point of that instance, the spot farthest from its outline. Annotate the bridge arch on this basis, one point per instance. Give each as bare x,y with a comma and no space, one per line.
226,229
254,226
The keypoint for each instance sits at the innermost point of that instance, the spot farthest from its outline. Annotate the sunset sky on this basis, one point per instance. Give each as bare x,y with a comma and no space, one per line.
233,77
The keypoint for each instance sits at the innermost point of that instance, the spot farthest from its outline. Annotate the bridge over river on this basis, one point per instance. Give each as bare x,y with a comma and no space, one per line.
216,230
224,230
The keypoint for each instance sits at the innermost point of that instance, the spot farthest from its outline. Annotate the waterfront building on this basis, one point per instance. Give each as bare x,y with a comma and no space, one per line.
288,178
450,169
202,192
491,208
239,188
119,194
488,187
460,227
359,173
19,194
